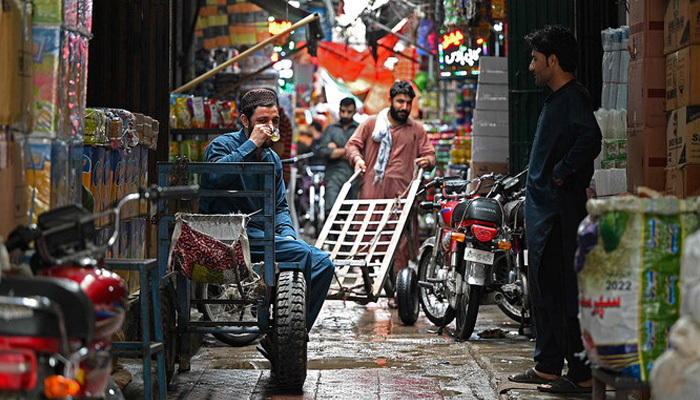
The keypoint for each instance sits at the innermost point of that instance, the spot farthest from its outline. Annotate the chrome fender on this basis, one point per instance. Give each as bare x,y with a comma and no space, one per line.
477,274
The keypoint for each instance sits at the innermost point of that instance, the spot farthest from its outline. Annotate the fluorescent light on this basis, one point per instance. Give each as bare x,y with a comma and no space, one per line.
294,4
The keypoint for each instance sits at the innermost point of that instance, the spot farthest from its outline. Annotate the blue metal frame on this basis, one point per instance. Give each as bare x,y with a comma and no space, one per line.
269,272
149,293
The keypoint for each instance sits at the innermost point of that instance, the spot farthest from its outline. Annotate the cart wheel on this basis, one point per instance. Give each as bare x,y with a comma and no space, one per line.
390,281
289,370
407,295
169,326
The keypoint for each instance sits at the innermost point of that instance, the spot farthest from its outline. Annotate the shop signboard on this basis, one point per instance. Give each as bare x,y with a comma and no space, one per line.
457,55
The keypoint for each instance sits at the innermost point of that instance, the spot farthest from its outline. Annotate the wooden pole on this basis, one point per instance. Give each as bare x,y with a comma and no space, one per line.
194,82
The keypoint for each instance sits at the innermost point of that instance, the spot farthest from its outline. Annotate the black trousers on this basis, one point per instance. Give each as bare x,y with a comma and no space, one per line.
554,293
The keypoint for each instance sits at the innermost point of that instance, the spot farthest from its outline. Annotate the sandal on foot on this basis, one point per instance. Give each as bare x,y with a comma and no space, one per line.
529,376
564,385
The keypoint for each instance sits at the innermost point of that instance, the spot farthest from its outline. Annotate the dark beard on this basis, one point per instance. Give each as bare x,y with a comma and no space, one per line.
398,117
345,121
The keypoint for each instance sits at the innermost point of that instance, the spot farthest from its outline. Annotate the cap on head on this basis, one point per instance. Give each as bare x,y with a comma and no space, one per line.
255,98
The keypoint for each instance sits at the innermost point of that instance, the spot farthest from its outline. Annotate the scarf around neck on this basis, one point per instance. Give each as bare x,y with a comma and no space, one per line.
382,135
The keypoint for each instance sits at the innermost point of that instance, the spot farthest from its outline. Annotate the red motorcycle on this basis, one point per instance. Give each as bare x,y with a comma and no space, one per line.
476,255
55,338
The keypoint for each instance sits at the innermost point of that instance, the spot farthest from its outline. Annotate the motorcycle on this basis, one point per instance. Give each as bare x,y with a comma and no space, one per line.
305,196
477,255
56,339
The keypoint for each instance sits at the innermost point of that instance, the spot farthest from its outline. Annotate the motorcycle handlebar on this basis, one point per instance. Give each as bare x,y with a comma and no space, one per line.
295,159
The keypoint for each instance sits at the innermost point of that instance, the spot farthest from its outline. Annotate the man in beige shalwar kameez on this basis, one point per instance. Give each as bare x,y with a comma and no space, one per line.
386,148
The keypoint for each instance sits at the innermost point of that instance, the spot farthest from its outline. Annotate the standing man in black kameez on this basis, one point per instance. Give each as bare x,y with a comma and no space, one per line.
567,141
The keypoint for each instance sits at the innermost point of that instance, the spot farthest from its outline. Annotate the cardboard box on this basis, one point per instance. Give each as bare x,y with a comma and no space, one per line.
646,28
682,80
681,24
490,149
477,169
15,64
13,196
646,158
646,93
490,123
493,70
683,137
683,181
492,97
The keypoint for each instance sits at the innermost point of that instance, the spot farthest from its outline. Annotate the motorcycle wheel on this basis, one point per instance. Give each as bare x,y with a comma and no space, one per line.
434,308
289,332
515,310
226,312
467,309
407,295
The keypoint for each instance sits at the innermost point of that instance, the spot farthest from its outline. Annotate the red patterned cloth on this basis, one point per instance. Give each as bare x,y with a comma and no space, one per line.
196,248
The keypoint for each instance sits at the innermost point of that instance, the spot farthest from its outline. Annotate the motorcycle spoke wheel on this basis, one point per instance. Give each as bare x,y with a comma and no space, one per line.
434,306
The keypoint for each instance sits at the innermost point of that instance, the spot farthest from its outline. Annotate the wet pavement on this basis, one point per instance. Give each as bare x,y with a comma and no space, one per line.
361,352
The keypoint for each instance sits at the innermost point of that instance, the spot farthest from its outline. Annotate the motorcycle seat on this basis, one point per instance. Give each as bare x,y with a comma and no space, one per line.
78,311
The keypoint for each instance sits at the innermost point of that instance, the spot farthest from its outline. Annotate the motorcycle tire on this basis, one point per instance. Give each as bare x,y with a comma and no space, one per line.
289,331
437,312
407,296
467,310
221,312
515,311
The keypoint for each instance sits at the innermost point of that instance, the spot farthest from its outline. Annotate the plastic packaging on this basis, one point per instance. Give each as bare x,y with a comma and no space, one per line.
629,288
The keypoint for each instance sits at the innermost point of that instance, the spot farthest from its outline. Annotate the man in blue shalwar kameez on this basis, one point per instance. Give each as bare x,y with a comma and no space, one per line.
260,117
566,142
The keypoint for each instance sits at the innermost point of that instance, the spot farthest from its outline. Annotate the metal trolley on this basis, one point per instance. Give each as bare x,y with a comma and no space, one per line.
284,283
362,237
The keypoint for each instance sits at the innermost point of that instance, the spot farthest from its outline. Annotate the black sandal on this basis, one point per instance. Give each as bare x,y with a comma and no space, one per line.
564,385
529,376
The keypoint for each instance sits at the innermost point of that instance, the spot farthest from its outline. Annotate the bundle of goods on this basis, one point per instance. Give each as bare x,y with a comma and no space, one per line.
674,376
629,286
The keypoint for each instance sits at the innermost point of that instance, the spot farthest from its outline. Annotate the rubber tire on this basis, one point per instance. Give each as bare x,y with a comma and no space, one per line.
231,339
407,296
289,331
467,312
438,320
168,307
390,282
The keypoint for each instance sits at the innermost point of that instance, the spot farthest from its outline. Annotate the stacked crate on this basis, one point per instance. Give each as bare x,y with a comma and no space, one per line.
682,49
646,119
490,120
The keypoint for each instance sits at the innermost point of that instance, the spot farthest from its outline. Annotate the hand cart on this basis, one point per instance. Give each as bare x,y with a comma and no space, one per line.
283,281
362,237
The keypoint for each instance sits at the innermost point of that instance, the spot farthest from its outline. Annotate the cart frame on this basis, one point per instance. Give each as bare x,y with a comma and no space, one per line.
268,269
349,248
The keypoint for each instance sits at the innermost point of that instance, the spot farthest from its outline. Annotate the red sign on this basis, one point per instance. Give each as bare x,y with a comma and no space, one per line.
455,38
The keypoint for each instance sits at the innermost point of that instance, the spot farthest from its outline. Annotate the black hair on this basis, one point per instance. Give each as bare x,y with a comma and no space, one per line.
317,125
348,101
402,87
557,40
